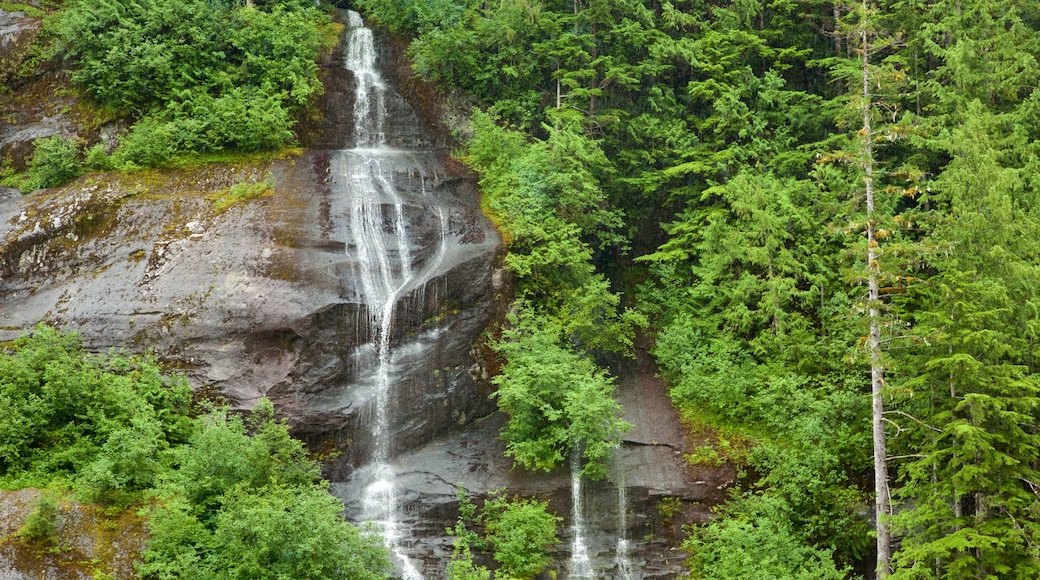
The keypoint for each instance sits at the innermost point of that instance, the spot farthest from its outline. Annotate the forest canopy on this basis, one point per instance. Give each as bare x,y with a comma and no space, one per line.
824,212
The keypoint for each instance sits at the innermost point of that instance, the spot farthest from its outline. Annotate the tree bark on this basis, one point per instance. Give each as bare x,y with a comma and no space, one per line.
882,501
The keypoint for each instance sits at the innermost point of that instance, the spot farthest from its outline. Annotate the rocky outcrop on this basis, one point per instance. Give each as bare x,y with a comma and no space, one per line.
18,30
258,298
665,492
255,300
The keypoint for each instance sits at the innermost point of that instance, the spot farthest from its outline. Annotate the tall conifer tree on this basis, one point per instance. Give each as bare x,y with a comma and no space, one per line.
971,496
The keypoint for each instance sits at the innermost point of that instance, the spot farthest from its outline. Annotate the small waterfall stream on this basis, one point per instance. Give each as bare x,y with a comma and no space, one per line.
624,546
589,555
580,564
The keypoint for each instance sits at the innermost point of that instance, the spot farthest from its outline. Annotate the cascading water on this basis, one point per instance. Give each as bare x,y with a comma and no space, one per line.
624,546
580,564
384,267
411,233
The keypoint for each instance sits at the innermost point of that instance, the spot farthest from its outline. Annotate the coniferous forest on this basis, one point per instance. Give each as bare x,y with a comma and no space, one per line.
821,218
822,215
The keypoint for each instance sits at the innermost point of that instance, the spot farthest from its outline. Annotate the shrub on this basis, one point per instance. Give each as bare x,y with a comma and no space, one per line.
65,411
198,75
97,159
42,522
520,533
54,162
150,143
251,507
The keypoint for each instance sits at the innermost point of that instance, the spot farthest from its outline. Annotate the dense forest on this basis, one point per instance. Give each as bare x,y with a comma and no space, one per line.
819,212
818,215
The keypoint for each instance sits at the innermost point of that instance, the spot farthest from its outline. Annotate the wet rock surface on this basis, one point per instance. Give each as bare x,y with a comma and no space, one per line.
17,32
35,104
664,491
87,542
256,300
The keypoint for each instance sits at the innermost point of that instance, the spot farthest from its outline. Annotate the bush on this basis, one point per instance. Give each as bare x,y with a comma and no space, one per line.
461,566
150,143
251,507
55,161
244,120
199,76
42,523
65,411
236,498
757,542
520,533
97,159
556,399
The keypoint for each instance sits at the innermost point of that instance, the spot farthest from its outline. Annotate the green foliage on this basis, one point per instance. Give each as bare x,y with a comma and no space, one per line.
556,400
415,15
756,542
547,199
221,456
237,498
240,120
72,414
41,525
969,510
269,532
198,76
97,159
520,533
54,162
249,506
461,566
29,10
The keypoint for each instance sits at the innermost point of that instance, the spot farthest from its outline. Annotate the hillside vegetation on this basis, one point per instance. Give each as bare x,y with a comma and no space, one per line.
192,77
825,214
226,497
821,214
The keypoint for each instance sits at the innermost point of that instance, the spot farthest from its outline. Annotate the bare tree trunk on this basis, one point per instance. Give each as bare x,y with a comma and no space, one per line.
837,30
882,501
558,102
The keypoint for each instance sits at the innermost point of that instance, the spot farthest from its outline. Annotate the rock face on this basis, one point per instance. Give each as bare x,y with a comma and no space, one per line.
17,32
260,298
663,492
90,542
38,103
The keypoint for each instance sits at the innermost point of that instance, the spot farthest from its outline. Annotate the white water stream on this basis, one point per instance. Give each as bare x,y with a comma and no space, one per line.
622,557
379,224
580,565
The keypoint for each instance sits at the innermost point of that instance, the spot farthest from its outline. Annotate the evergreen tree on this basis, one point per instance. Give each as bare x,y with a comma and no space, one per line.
971,492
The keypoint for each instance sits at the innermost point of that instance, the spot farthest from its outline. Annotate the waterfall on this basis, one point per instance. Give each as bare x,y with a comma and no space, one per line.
580,565
379,226
370,105
624,546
